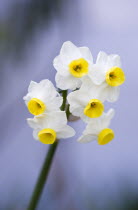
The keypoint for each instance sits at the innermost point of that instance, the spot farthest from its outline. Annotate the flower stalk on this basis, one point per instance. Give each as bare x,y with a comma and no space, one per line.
42,177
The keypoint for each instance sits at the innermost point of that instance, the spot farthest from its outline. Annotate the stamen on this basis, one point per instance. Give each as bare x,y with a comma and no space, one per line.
77,68
93,104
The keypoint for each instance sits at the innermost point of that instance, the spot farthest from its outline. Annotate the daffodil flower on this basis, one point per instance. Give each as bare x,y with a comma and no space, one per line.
98,129
87,102
108,70
50,127
72,64
42,97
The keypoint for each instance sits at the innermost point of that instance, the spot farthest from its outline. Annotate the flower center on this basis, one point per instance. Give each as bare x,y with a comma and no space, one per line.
36,106
105,136
94,108
47,136
79,67
115,76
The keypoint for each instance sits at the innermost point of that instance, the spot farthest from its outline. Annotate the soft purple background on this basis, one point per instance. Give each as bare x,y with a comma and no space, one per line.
82,175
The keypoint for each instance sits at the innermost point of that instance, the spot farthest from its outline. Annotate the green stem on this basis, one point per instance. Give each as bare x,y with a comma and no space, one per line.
42,177
67,111
64,94
46,167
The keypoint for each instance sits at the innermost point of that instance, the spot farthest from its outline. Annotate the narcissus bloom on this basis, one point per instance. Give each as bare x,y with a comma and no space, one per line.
42,97
98,129
87,102
51,126
108,70
72,64
91,85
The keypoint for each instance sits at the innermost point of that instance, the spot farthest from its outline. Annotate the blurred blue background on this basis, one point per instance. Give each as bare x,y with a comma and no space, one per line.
83,176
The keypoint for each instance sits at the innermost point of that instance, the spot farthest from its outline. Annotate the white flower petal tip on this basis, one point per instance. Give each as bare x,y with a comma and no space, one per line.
111,112
86,53
111,93
97,74
68,47
101,58
65,83
32,85
66,132
72,64
42,97
87,138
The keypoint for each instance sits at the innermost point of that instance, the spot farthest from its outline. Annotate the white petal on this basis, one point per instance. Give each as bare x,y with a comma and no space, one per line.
42,120
27,98
95,91
32,123
87,138
97,74
57,120
53,105
45,83
77,99
66,132
31,86
86,54
47,89
93,127
35,134
111,113
106,118
111,93
114,93
85,118
61,66
68,82
114,60
70,51
77,111
101,58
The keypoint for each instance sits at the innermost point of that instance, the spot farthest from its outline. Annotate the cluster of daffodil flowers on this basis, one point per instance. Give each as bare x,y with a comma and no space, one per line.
90,85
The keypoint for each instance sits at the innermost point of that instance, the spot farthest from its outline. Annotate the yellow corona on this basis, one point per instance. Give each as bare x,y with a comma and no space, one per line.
94,108
79,67
105,136
47,136
115,76
36,106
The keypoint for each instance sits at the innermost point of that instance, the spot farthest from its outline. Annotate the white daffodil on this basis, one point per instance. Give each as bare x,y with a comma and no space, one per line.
108,70
51,126
87,102
98,129
42,97
72,64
